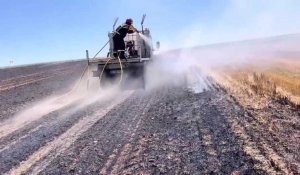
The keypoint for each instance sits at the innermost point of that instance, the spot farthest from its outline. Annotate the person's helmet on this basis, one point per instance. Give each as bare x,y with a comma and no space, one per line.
129,21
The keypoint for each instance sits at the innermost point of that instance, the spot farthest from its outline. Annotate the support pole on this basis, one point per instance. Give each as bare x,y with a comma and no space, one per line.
88,69
87,57
116,20
142,22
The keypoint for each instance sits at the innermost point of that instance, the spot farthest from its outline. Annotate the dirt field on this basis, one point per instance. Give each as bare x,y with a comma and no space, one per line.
22,86
165,130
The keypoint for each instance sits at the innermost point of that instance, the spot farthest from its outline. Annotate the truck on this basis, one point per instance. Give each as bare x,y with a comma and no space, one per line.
129,73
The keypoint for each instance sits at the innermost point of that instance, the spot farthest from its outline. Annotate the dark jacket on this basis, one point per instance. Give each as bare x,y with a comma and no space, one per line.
123,29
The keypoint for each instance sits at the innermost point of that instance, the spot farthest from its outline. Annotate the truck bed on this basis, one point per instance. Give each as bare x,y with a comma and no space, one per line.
102,61
129,65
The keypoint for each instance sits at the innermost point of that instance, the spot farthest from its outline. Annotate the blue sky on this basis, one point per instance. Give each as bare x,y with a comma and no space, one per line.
35,31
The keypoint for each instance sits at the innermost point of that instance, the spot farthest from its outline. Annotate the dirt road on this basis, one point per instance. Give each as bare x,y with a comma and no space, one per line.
168,130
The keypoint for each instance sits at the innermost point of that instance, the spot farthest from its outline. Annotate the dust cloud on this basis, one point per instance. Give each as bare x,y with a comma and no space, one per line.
190,67
241,33
193,67
76,99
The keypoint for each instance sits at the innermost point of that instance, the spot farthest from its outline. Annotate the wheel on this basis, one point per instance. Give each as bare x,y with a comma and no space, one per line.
106,78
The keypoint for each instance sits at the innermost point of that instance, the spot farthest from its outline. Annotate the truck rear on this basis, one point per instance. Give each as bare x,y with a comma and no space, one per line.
129,72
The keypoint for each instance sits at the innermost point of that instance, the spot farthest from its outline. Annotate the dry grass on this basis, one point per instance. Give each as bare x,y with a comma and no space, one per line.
280,80
289,81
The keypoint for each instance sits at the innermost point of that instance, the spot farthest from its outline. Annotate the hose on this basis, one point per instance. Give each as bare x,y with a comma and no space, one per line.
87,67
121,77
75,85
100,77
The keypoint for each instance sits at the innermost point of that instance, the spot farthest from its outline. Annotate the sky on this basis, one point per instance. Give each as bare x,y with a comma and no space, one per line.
35,31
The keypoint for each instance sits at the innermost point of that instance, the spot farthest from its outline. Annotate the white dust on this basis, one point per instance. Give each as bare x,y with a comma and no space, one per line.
75,100
192,67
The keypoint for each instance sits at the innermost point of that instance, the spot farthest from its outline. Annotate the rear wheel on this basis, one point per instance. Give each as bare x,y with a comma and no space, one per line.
106,79
135,78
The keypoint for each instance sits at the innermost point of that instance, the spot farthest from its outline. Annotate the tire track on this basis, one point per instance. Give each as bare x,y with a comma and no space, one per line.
60,144
101,146
7,144
53,104
29,79
15,134
107,128
20,77
124,154
15,100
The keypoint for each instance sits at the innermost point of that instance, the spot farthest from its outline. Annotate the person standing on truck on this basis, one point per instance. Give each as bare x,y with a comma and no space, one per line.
119,35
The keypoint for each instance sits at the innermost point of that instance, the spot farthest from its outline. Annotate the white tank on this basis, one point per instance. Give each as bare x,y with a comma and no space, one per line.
144,50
